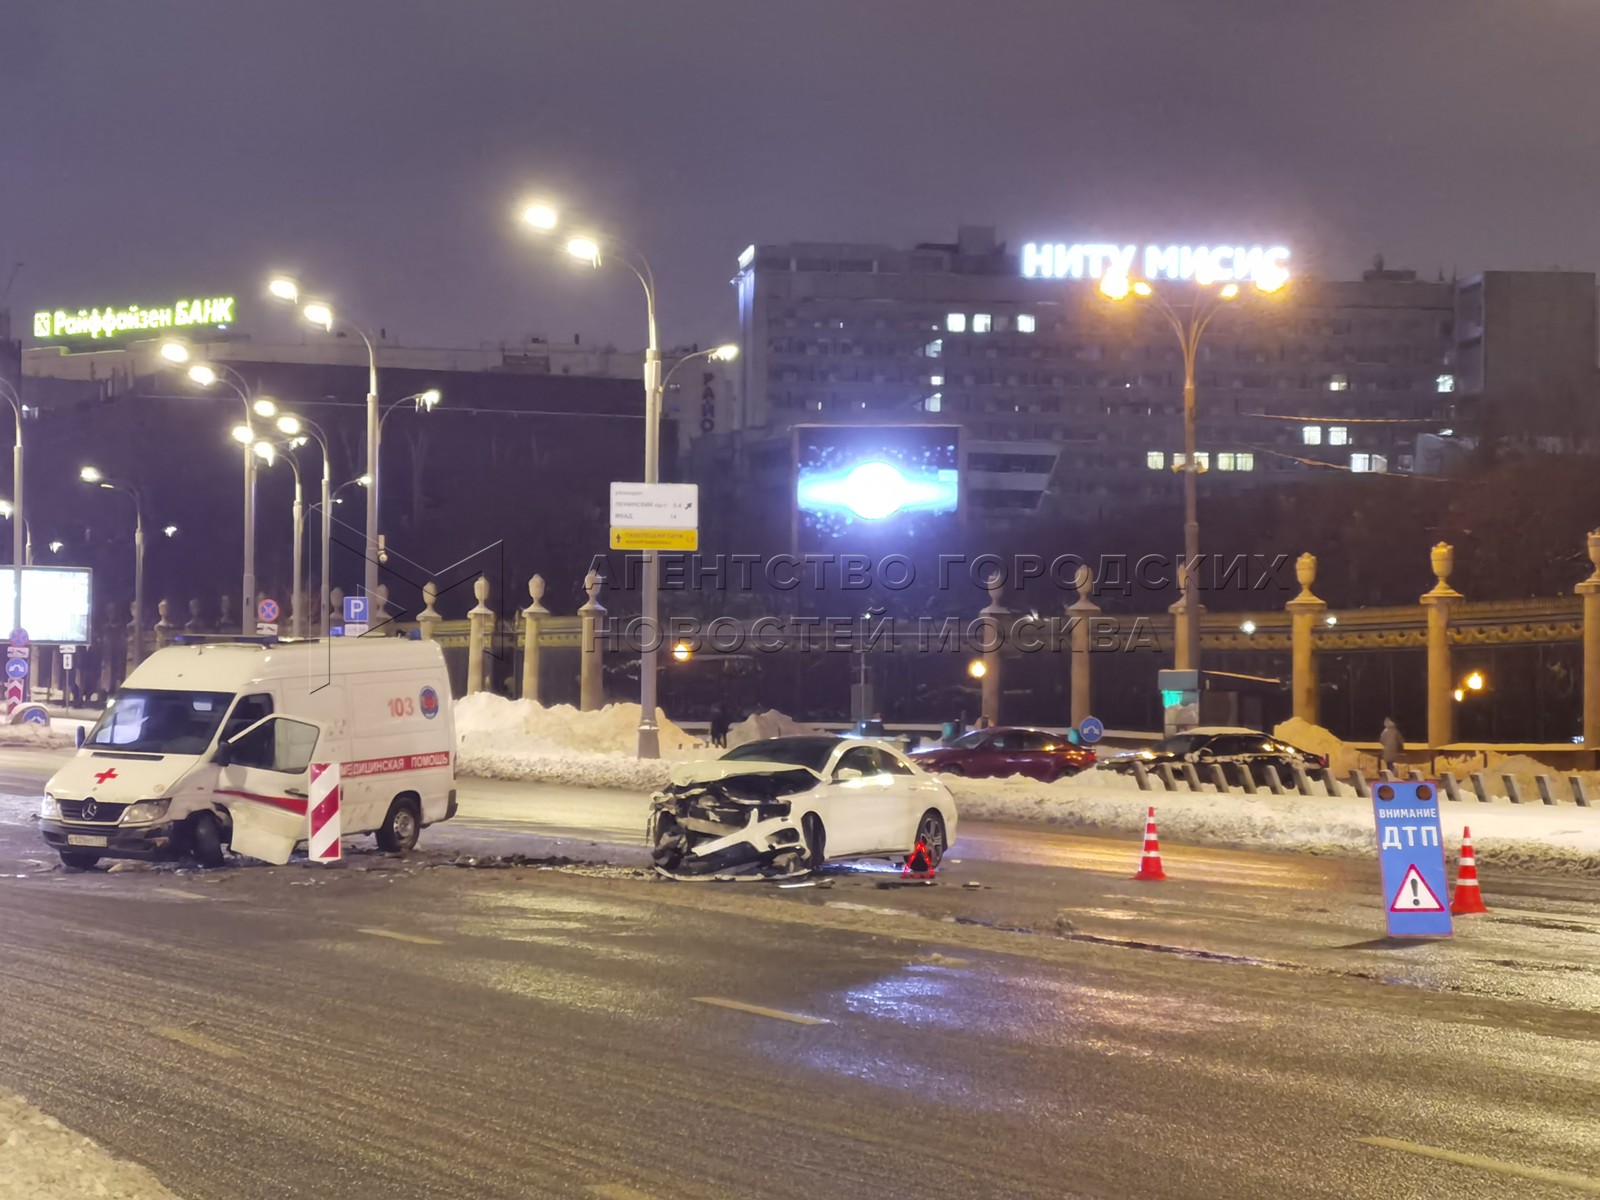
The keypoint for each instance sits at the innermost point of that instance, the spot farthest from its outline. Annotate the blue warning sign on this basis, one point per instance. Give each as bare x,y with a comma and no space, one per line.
1411,850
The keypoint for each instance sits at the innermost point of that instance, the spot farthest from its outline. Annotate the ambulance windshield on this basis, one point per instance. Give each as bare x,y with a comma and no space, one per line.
152,721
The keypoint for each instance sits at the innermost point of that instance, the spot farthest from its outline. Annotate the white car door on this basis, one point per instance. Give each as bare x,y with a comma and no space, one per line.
850,802
264,783
907,794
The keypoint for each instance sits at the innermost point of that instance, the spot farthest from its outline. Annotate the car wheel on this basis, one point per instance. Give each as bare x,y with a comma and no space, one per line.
930,832
952,769
398,833
816,841
79,860
205,839
668,842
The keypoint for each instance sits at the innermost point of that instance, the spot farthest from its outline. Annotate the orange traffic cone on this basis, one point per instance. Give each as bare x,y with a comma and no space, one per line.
918,864
1468,899
1150,860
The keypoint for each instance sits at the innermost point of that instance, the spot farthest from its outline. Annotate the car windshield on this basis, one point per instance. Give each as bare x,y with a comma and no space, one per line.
152,721
970,741
1183,743
812,752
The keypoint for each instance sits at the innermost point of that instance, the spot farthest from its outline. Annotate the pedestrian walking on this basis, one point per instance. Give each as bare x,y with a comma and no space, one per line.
719,726
1391,743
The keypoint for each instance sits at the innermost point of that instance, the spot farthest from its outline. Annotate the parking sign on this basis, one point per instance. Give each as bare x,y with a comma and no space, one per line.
355,610
1411,849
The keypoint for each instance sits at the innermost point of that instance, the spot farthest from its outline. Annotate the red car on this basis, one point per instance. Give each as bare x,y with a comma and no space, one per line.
1008,750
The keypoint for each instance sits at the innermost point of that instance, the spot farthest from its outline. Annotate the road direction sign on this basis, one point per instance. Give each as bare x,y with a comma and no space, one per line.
354,628
355,609
16,668
266,629
1091,730
655,506
1411,850
267,609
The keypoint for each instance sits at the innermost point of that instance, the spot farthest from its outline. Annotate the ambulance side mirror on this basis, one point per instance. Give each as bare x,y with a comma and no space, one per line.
78,736
224,754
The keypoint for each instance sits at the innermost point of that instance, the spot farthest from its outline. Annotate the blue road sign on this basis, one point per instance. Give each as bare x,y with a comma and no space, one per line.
267,610
1091,730
355,609
1416,896
16,668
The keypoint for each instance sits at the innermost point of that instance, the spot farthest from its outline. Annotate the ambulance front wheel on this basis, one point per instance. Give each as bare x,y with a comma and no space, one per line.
205,839
400,828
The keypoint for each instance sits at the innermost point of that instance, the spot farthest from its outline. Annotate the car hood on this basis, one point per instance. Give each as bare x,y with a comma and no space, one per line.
715,769
133,778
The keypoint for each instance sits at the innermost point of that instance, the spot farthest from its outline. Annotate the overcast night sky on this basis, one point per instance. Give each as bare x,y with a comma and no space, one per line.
169,147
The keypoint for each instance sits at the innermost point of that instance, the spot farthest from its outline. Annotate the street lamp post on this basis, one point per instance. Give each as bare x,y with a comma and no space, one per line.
320,313
268,453
18,535
299,430
1189,319
94,476
588,249
205,375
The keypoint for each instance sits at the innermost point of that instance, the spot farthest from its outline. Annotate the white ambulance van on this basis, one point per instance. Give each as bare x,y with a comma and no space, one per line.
200,730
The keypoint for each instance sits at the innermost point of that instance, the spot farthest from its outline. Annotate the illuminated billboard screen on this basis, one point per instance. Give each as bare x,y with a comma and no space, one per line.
54,604
864,478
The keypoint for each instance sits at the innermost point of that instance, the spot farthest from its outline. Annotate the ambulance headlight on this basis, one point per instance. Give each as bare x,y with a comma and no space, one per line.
49,810
145,811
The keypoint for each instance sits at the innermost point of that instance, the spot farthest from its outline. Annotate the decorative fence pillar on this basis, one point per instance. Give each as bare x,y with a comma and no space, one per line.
379,608
335,614
479,623
163,627
1305,610
1589,589
428,619
133,638
1081,613
591,689
991,639
1441,678
530,639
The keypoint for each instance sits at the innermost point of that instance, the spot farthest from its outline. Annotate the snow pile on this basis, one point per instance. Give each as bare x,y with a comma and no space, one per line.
1342,757
41,1157
1562,838
519,739
768,724
42,736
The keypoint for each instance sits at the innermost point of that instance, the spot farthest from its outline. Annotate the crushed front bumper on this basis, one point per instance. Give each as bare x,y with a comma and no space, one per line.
158,841
692,838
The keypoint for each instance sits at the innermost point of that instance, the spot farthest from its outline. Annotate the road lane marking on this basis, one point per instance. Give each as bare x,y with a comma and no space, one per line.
181,894
198,1040
1579,1183
414,938
776,1014
617,1191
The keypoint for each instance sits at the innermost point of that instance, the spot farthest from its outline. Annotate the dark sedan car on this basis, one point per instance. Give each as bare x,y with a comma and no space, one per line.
1234,749
1007,750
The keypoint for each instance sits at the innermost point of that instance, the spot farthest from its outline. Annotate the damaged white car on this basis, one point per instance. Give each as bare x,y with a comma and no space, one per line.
789,804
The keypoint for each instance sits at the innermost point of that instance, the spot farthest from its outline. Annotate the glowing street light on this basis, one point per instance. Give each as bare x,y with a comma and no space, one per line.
171,531
90,474
585,249
57,547
265,406
175,352
1247,628
1460,695
281,287
977,668
1475,682
541,216
242,434
725,353
1189,316
318,313
681,652
289,425
203,375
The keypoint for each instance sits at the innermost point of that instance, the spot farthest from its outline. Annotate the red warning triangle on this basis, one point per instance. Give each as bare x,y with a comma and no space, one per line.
1415,895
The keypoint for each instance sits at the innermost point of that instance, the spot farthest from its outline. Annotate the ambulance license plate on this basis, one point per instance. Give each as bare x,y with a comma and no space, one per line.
86,839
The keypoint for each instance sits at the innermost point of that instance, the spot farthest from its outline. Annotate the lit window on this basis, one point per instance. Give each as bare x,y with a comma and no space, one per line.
982,322
1311,435
934,348
1338,435
1361,462
933,403
1225,461
1155,460
1025,323
956,322
1380,464
1445,383
936,380
1244,460
1339,383
1202,459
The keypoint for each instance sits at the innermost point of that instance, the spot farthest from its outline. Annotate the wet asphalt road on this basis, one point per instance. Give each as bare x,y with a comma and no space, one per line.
413,1029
